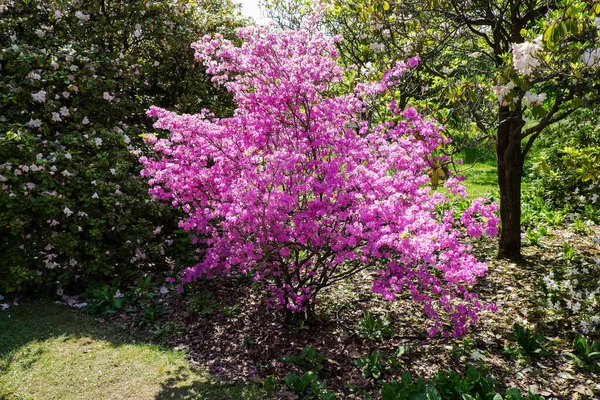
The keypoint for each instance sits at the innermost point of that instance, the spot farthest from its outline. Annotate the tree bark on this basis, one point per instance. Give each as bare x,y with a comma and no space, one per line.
510,171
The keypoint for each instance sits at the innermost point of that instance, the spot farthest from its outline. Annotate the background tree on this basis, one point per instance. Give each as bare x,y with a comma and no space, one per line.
504,70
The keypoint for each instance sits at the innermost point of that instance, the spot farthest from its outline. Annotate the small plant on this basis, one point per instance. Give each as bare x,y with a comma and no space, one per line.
270,386
169,328
530,343
408,388
475,383
307,359
230,311
143,287
203,305
543,231
395,360
568,252
374,328
140,294
553,218
462,350
372,366
151,314
104,300
588,355
308,386
533,236
580,227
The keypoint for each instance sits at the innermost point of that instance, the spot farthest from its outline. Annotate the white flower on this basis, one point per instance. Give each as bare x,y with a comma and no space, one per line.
594,197
13,38
113,171
73,68
95,195
39,96
68,156
40,33
4,306
56,117
156,63
138,30
59,292
34,123
82,16
591,57
54,64
597,22
58,14
80,305
163,290
126,139
524,53
377,47
476,355
98,141
107,96
85,121
66,173
64,111
68,212
532,98
118,294
503,91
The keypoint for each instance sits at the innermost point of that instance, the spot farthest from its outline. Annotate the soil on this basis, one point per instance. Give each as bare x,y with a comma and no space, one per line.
247,341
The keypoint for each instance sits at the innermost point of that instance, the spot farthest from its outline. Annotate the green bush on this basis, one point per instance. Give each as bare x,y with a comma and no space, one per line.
76,78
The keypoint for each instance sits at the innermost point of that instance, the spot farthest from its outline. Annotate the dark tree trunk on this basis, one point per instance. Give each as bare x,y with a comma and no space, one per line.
510,171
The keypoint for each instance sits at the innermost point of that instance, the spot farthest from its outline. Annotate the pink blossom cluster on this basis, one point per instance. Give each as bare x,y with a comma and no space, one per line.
299,189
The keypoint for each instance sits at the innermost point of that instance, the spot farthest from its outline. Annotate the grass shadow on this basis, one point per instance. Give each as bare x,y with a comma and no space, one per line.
52,351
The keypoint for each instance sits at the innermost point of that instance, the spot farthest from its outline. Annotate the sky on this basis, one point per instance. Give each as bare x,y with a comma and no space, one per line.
250,8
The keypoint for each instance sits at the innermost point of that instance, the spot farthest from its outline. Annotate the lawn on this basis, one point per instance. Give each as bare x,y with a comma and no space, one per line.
49,351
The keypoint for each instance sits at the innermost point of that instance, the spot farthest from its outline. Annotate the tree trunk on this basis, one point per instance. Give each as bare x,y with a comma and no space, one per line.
510,171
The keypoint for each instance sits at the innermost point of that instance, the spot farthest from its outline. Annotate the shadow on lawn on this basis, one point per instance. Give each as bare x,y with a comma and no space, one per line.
29,331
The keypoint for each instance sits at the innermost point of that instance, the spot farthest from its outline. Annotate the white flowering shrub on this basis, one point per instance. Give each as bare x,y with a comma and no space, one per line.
76,78
569,174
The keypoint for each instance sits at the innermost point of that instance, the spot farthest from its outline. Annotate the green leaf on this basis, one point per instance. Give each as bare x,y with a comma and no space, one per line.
386,5
538,112
432,393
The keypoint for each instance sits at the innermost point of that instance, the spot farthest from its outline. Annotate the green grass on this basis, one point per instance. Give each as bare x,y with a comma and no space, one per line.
49,351
481,179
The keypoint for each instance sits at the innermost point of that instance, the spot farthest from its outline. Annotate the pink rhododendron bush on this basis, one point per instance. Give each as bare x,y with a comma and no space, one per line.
300,189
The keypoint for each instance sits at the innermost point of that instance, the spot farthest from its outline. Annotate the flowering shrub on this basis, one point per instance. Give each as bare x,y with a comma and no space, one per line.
570,174
75,78
301,190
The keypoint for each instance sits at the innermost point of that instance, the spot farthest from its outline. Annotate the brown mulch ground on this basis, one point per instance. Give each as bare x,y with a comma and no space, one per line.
249,343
